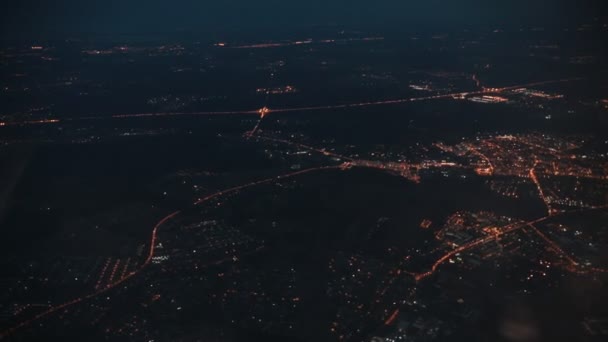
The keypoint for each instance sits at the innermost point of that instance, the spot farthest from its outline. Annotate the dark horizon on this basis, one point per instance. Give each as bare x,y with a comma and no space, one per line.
62,18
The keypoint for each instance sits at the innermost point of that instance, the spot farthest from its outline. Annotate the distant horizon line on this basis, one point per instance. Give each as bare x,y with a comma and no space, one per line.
593,26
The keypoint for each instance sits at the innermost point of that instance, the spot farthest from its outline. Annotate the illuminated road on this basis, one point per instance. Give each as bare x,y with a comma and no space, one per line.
554,246
153,240
493,237
541,193
477,81
324,152
404,169
98,291
262,113
574,265
417,276
422,98
490,169
465,247
267,111
299,42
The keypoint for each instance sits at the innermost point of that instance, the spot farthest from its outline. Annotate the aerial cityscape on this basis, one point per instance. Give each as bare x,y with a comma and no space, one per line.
327,181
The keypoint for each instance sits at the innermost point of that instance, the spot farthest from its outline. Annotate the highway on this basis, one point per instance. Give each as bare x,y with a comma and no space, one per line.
265,111
262,113
152,249
506,230
541,192
417,276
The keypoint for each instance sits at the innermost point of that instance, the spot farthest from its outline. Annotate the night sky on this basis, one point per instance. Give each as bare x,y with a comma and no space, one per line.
69,17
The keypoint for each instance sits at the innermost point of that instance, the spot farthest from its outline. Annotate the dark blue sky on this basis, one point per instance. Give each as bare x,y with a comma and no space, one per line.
35,17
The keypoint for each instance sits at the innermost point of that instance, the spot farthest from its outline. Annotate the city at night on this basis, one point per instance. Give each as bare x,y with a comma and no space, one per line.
307,171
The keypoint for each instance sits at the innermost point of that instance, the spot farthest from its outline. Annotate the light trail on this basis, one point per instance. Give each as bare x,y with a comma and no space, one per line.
153,240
